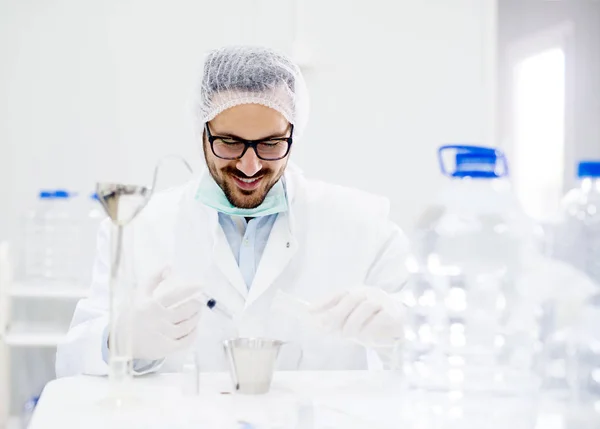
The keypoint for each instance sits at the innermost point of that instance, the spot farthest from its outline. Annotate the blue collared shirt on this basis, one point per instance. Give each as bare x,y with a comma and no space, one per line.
247,241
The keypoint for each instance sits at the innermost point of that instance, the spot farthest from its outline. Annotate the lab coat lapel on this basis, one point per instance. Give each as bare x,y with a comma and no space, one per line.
200,236
278,252
281,246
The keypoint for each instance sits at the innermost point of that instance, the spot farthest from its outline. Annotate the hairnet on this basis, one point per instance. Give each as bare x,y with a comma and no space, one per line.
253,75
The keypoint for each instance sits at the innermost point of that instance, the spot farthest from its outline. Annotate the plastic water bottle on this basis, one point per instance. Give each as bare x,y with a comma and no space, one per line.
33,253
585,411
564,315
571,359
572,354
577,238
52,239
473,327
64,237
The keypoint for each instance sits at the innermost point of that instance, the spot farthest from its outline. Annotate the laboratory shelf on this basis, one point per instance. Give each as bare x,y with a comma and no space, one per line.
58,291
32,336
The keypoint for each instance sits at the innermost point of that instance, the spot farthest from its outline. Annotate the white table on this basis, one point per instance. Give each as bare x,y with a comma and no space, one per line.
304,400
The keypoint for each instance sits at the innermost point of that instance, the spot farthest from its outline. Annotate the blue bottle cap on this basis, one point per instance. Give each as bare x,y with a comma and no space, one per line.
473,161
588,169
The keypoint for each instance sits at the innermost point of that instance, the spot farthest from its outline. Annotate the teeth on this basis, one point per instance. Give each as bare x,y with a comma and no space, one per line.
248,180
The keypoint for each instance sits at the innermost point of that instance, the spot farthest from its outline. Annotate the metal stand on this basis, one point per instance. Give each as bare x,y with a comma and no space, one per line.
122,203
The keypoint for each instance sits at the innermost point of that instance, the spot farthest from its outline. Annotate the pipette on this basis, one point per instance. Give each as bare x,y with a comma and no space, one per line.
209,302
296,307
215,306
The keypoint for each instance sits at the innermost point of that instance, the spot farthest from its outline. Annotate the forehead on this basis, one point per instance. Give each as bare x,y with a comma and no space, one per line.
250,121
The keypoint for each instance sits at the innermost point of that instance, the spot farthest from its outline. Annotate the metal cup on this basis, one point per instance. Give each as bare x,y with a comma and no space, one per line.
252,363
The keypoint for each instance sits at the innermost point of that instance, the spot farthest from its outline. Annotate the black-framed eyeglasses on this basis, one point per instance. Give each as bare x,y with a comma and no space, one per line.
232,148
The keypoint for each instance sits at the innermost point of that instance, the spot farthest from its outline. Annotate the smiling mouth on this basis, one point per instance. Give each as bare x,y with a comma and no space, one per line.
247,184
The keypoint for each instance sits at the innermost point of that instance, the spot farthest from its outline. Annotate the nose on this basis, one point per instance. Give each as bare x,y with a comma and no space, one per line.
249,164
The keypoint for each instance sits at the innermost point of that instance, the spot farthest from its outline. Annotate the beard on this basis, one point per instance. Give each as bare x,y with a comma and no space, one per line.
238,197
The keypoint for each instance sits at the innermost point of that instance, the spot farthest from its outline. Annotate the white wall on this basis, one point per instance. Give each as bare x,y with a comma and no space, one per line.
93,89
520,20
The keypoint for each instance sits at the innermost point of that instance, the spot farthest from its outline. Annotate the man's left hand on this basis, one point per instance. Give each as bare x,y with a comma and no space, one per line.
367,315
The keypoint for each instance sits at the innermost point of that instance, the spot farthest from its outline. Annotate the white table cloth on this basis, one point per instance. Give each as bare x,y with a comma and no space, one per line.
303,400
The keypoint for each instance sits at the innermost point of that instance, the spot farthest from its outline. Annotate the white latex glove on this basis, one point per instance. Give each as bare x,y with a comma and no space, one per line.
163,320
367,315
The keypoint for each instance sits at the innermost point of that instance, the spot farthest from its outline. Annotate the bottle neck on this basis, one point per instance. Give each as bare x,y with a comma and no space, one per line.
478,195
589,184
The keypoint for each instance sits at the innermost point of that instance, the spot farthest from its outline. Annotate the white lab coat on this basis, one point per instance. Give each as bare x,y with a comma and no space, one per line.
331,239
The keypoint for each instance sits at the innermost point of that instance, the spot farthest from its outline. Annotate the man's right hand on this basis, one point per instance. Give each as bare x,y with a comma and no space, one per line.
163,320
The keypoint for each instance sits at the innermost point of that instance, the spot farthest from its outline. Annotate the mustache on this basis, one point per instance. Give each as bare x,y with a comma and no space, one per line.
235,172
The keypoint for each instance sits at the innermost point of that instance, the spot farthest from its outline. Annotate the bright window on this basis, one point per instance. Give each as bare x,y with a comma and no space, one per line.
539,85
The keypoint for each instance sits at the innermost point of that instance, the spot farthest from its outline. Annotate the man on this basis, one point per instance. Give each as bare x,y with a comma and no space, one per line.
252,225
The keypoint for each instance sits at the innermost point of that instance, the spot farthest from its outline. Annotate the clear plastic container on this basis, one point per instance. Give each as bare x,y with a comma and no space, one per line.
585,408
572,353
34,244
577,236
564,315
473,325
51,240
63,228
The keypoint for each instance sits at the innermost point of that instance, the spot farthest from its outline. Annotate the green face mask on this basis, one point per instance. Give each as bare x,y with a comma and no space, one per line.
210,194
